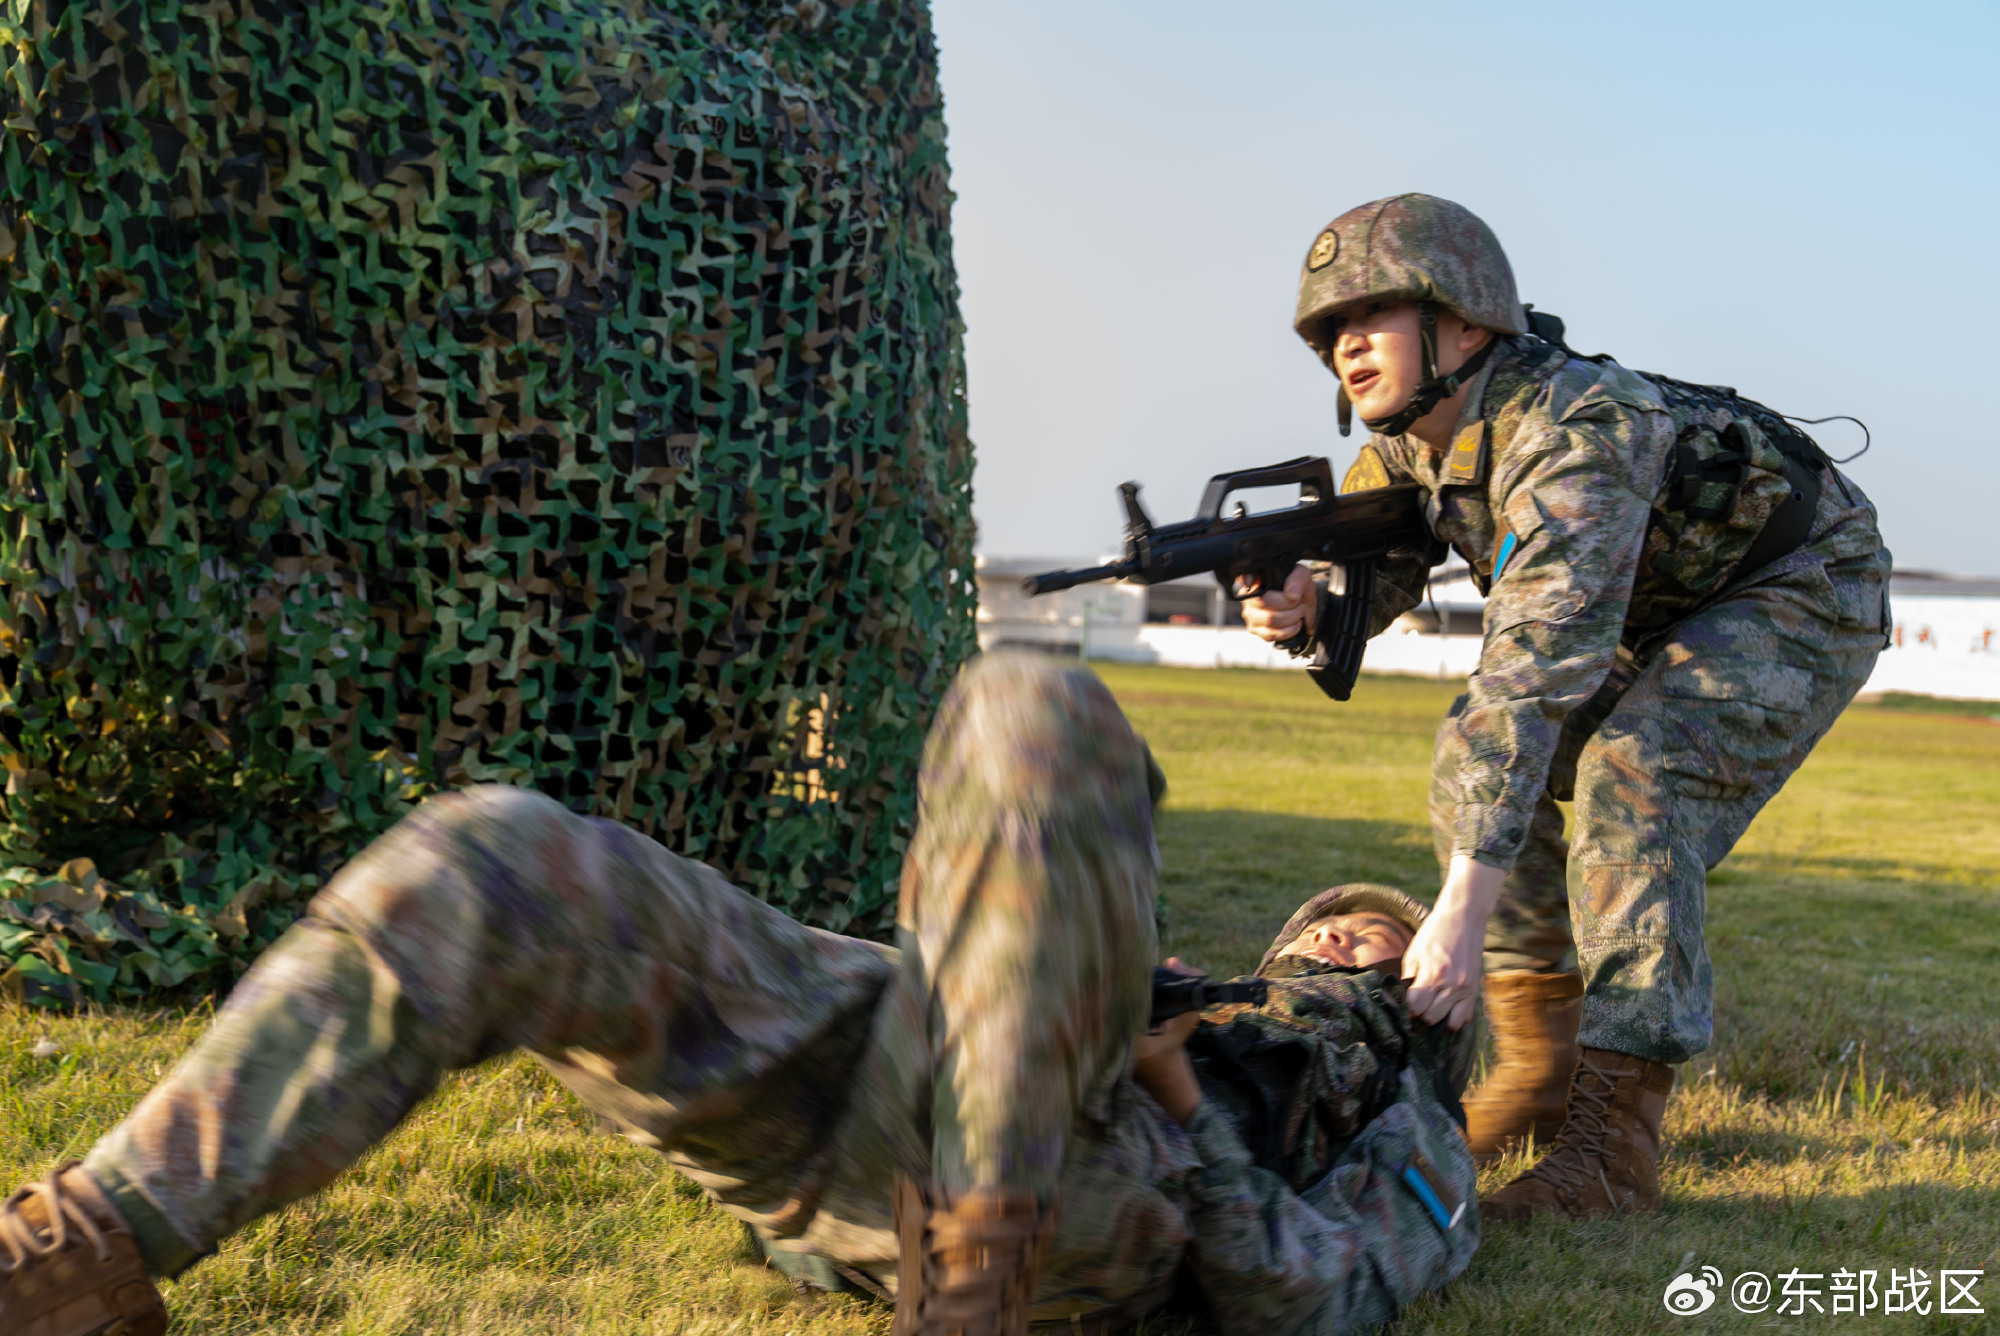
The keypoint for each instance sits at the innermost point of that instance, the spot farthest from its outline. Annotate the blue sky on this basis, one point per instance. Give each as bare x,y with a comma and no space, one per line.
1797,200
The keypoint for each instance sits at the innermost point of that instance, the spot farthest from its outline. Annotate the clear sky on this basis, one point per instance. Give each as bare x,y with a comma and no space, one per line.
1795,199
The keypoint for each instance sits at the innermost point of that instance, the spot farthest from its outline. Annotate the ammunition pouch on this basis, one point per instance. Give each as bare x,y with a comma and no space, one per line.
1705,488
1302,1076
1791,523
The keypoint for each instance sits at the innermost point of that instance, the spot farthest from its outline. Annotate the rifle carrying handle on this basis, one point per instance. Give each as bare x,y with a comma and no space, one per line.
1313,474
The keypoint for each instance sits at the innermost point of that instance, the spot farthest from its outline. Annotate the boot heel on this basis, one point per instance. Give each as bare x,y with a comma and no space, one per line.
969,1265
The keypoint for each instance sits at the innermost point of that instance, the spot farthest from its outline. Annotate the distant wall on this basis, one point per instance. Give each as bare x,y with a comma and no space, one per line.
1189,624
1943,643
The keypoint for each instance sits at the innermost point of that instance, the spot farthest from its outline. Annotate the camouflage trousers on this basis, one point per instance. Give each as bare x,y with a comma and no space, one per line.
788,1070
1667,765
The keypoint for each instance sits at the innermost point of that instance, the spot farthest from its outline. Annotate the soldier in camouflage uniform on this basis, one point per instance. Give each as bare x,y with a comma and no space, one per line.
1682,592
956,1122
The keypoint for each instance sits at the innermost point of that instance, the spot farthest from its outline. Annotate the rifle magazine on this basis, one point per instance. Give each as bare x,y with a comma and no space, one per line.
1343,631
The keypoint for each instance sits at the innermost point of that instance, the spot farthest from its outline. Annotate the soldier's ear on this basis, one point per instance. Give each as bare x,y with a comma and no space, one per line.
1468,338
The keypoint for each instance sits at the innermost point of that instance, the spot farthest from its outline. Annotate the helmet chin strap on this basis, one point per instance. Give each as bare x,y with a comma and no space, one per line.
1431,391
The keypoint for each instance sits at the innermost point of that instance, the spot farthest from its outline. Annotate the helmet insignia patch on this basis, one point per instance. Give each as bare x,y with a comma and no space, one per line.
1325,248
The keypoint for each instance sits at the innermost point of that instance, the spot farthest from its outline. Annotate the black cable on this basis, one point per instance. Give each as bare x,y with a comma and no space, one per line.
1867,437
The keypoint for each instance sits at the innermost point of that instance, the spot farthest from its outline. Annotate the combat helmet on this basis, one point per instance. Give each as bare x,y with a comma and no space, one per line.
1355,897
1409,248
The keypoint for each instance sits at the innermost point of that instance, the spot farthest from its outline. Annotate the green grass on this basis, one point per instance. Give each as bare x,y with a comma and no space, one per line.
1846,1116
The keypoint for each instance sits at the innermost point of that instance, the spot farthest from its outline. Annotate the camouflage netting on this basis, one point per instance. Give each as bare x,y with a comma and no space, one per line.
400,395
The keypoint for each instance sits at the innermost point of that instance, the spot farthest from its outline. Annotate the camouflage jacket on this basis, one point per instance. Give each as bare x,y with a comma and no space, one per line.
1316,1107
1570,489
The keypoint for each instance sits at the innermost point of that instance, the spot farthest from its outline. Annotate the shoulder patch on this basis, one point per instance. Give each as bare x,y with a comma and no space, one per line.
1368,471
1467,462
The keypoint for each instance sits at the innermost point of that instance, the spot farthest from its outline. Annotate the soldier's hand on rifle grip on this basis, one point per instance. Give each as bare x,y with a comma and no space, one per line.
1276,615
1160,1062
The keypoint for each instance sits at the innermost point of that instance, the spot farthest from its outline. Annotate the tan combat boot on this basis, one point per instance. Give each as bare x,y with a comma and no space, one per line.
1606,1158
968,1266
1534,1019
68,1266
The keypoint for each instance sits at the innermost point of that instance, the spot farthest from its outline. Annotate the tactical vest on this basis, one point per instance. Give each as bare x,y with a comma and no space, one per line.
1300,1076
1739,488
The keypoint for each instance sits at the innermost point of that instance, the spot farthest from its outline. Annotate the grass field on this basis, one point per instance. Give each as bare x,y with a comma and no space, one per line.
1846,1117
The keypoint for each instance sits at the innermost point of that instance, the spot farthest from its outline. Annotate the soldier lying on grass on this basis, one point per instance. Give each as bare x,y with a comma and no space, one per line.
974,1124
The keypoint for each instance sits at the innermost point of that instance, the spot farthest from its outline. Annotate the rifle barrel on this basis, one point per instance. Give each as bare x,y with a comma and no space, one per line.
1048,582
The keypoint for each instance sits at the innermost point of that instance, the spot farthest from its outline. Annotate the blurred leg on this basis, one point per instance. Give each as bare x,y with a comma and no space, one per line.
996,1071
494,919
1027,933
1026,918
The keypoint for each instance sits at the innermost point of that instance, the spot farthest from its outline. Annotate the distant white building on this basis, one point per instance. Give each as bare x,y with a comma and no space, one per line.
1946,639
1191,623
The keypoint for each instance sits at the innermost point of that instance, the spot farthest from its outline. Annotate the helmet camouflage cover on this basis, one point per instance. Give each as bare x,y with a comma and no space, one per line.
1408,248
1355,897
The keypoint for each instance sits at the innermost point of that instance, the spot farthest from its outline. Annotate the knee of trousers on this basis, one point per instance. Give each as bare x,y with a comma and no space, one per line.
1016,720
469,868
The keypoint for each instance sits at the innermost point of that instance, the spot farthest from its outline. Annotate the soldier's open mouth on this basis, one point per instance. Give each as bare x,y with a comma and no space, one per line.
1360,380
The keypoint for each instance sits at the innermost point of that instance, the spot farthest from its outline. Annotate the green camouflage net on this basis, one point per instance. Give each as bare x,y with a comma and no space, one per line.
396,396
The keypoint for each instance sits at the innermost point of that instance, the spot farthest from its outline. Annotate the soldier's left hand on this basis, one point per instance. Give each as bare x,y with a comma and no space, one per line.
1445,959
1443,966
1156,1044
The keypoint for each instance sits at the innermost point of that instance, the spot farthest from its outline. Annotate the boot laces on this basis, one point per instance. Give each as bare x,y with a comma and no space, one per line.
970,1270
21,1242
1575,1163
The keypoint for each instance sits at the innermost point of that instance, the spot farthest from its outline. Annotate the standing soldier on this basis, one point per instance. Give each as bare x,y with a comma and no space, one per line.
1682,595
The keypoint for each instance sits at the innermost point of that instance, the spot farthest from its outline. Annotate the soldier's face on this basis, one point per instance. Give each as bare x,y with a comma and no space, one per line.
1379,356
1351,939
1378,353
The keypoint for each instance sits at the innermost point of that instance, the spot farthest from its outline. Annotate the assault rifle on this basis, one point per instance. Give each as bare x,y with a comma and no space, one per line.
1249,553
1175,994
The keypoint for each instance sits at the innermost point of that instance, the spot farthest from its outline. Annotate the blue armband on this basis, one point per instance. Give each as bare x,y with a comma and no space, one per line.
1433,1193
